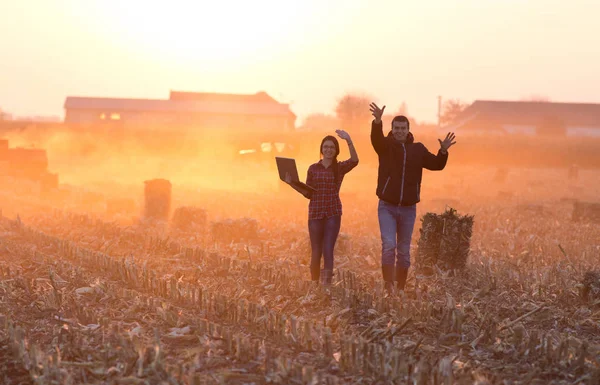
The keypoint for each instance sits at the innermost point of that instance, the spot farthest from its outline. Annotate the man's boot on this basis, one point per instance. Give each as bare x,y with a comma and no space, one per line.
388,277
401,275
326,277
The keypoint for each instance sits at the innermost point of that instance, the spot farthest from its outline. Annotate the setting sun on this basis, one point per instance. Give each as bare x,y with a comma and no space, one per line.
205,31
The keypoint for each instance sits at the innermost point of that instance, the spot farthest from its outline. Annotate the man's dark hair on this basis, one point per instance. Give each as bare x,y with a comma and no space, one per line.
401,118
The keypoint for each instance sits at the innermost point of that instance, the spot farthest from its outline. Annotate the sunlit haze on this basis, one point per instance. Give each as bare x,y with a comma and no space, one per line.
307,53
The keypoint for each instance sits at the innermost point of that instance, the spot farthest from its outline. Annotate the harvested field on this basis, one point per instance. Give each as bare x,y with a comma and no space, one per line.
89,299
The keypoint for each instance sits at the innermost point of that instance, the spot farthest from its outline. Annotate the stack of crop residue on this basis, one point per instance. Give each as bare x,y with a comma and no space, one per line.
235,230
585,211
445,240
157,199
187,218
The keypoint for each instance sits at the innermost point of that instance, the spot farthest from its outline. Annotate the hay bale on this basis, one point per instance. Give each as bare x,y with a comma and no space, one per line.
189,218
235,230
591,286
157,199
27,163
444,240
586,212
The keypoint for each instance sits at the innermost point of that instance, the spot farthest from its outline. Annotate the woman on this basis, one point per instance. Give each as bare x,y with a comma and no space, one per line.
325,207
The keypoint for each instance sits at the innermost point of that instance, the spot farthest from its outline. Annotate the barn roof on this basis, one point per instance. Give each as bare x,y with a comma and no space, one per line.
187,104
531,113
259,97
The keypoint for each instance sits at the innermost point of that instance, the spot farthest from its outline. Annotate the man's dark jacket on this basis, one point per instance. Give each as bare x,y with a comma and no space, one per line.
401,166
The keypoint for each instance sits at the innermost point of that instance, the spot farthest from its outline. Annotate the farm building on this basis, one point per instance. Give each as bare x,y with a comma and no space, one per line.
254,112
528,118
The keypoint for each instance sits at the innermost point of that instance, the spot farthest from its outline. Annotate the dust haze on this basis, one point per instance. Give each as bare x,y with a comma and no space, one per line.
222,279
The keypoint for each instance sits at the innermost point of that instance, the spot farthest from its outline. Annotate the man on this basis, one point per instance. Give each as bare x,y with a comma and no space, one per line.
401,163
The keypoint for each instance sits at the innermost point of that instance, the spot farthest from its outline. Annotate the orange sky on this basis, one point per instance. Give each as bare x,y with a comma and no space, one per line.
306,52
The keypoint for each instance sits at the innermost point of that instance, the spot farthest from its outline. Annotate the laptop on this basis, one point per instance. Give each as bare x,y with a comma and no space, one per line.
288,165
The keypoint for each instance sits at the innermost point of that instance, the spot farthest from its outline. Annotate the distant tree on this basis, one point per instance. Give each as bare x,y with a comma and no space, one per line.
3,115
451,109
320,122
401,110
353,111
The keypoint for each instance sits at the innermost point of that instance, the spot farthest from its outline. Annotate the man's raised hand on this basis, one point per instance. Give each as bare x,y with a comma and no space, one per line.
376,111
449,141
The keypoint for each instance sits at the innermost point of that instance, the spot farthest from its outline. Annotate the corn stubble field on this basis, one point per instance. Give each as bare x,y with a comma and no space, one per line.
88,300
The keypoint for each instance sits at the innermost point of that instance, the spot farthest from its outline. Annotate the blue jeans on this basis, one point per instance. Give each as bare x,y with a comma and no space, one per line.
323,235
396,224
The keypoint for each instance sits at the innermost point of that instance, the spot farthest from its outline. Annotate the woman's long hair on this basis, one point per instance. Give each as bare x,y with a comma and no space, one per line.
334,164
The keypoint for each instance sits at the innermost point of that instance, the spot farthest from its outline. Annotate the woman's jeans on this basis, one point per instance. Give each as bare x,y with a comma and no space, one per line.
396,224
323,235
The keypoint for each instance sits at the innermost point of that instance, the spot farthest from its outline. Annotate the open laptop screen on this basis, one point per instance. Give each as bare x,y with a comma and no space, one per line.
287,165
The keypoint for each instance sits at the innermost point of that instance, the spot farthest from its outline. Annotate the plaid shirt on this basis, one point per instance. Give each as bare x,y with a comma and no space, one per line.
325,202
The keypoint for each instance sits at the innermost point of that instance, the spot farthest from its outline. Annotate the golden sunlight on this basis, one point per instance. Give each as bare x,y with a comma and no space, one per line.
300,192
207,31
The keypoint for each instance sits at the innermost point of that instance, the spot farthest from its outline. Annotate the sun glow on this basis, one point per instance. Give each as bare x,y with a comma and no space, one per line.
206,31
